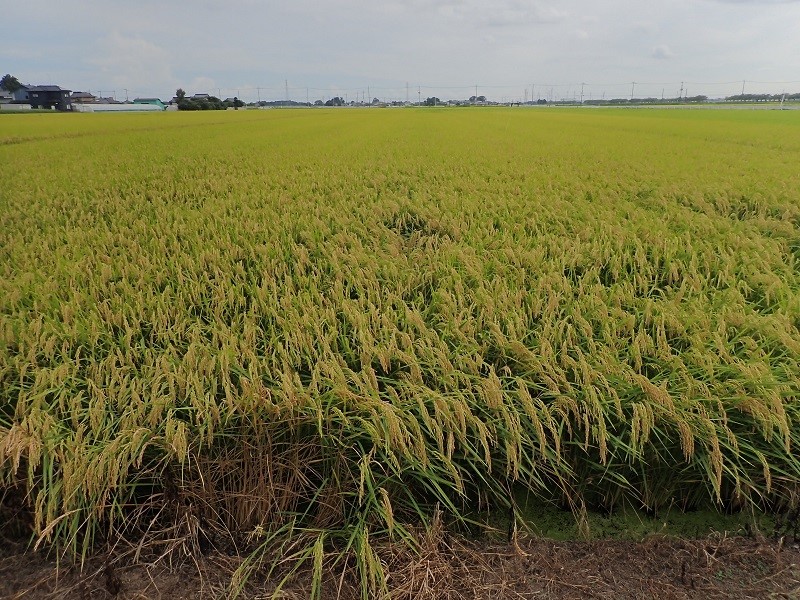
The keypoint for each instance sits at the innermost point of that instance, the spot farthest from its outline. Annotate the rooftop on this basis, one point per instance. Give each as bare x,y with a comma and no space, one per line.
46,88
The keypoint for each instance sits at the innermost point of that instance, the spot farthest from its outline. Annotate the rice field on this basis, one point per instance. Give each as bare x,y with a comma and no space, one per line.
318,329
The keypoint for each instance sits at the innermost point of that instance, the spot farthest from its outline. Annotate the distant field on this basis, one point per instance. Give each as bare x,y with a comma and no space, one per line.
329,325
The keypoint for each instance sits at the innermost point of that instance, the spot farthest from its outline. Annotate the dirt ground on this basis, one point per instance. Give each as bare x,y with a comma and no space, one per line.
450,568
445,567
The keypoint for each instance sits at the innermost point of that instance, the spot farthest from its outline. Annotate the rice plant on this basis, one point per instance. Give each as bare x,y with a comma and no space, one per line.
318,329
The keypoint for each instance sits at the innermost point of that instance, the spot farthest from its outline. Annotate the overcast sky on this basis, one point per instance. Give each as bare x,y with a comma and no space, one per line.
438,47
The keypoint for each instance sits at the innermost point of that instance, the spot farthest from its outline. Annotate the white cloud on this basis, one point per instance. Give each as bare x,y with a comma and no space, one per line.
202,85
131,62
757,2
662,51
155,47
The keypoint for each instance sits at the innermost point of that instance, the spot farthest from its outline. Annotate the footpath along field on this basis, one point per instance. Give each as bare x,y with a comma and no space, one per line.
305,333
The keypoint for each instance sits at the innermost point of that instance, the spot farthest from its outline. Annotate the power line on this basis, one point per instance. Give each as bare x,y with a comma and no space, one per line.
551,90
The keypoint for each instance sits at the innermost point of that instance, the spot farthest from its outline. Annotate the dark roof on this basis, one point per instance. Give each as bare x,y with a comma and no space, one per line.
82,95
146,100
46,88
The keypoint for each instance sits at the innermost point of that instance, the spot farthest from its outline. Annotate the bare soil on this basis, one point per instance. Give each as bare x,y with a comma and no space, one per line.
448,568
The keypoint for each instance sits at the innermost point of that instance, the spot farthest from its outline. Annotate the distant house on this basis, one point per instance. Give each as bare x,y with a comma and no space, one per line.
49,96
200,97
19,96
83,98
153,101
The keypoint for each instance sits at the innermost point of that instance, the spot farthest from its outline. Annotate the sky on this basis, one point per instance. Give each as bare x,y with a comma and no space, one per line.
398,49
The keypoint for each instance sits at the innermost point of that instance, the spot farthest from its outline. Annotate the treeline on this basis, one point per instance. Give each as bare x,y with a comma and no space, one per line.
624,101
762,97
210,103
214,103
281,103
203,102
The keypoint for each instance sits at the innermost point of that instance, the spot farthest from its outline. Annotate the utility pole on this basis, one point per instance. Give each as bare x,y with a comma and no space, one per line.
126,94
582,84
406,92
286,86
680,94
742,87
307,102
633,85
369,96
419,96
533,98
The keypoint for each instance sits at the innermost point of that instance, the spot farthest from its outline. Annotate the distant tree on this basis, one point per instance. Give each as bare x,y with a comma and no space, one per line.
213,103
180,94
433,101
10,83
236,104
210,103
753,98
319,103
